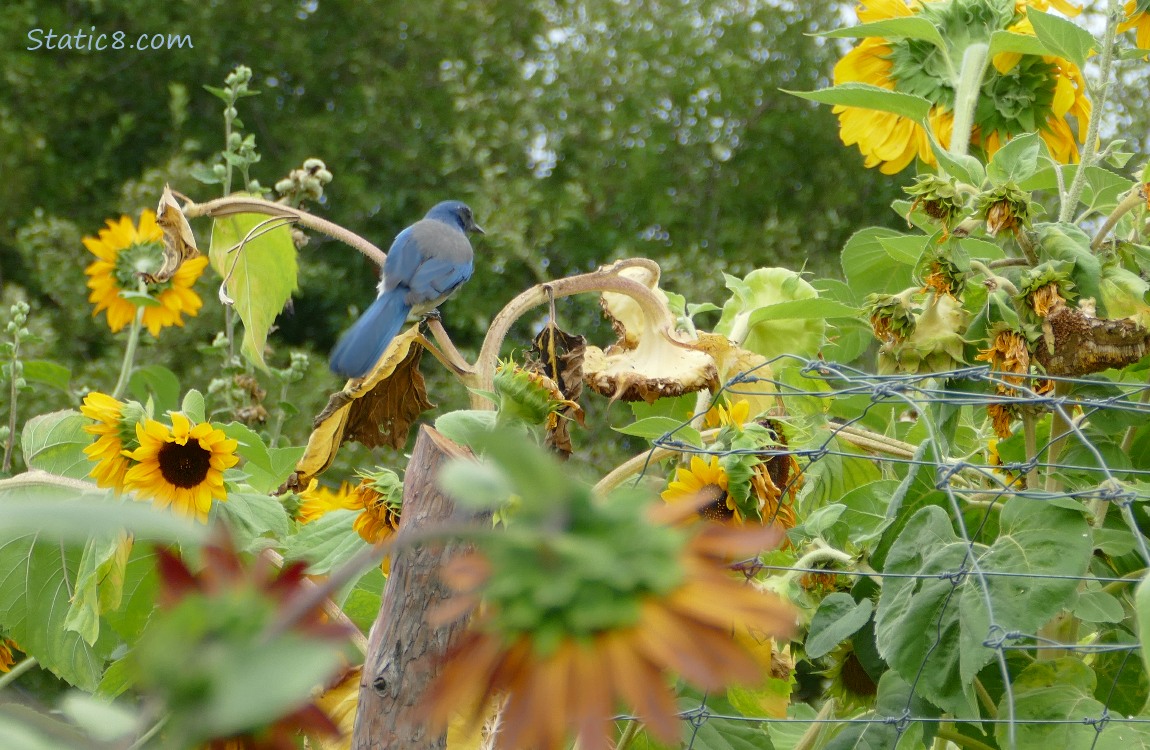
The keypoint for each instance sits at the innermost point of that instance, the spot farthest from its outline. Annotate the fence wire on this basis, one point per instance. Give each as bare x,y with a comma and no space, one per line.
968,485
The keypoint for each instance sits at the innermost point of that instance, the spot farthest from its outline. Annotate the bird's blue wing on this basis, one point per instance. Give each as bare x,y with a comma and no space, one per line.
403,258
436,278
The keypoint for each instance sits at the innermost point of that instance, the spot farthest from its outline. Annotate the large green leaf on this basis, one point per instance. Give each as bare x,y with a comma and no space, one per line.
721,733
326,542
1036,540
250,516
1052,700
838,617
894,698
261,274
1064,38
55,443
868,266
907,27
870,97
35,579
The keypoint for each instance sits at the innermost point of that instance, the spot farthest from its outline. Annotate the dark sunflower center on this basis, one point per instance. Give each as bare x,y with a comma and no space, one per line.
715,508
144,257
855,678
184,465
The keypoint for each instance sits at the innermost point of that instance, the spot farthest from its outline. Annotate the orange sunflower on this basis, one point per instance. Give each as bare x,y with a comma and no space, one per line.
686,631
123,252
1019,93
181,466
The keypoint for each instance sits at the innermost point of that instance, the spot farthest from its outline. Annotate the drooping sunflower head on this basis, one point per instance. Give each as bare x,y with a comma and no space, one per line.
705,482
380,495
123,252
318,500
115,430
849,680
1019,93
181,465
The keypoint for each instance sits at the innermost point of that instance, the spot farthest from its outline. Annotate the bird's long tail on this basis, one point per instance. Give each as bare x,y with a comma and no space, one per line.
363,345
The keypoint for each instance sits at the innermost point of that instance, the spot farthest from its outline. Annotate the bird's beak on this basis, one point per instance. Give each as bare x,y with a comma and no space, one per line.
476,228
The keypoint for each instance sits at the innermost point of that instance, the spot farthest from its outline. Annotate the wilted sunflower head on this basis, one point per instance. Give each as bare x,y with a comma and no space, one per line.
125,253
380,495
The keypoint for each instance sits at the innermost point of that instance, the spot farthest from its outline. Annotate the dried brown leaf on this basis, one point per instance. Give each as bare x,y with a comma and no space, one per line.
179,242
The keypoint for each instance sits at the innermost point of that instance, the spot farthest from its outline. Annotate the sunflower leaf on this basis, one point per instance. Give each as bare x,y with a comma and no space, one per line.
839,616
1063,38
1017,160
55,443
1022,44
258,261
908,27
867,96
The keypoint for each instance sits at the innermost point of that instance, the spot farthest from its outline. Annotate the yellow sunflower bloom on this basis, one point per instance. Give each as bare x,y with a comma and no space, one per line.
181,466
319,500
704,478
733,415
123,251
1137,17
115,434
1019,93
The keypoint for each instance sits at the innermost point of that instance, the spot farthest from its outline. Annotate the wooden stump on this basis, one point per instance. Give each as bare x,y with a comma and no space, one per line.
404,651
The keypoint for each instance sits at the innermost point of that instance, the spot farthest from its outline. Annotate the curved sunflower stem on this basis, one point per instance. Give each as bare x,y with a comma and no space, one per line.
1090,146
974,59
629,734
19,669
1134,199
129,355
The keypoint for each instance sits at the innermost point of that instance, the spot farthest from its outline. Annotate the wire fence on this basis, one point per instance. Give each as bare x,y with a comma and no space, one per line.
974,489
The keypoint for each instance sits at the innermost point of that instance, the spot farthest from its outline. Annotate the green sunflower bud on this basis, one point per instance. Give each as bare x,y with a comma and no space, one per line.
936,345
939,198
1006,207
1042,288
941,274
890,316
527,396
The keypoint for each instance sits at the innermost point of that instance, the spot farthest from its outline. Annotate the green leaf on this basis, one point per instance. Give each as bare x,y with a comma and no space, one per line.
1023,44
99,584
1016,161
158,383
802,309
250,517
908,27
1064,38
905,249
867,264
654,428
55,443
193,406
283,463
463,425
326,542
838,617
965,168
35,572
1035,540
99,718
1098,606
865,515
894,698
24,728
361,604
717,733
768,336
251,446
864,95
48,373
261,274
1142,618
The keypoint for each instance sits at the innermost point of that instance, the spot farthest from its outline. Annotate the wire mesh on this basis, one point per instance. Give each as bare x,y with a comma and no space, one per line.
974,489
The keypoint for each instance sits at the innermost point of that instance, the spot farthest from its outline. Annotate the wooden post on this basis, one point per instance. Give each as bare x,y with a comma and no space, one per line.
404,651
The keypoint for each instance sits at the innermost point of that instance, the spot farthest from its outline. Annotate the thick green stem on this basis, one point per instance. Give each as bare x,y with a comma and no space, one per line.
16,671
954,736
629,734
1134,199
1100,92
966,89
1059,428
1029,422
129,355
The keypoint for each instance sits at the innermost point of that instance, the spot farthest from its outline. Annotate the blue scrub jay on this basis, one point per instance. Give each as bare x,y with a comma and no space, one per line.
427,262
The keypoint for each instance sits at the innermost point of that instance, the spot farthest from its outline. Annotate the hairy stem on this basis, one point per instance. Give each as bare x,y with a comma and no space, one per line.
1090,147
129,355
1135,198
974,60
14,674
